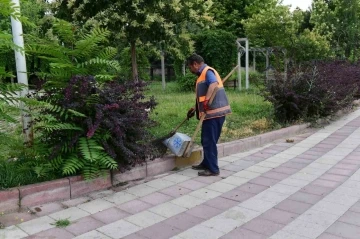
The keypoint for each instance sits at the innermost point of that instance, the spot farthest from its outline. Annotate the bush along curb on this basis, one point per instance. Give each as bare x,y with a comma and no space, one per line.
71,187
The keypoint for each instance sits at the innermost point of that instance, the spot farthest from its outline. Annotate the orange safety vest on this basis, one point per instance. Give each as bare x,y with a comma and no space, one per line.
220,105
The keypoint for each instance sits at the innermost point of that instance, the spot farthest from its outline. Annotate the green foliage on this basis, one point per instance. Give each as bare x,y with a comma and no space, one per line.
218,49
75,52
62,223
143,63
187,82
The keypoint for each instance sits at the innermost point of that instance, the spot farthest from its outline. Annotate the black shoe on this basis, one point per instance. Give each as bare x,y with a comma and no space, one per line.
199,167
208,173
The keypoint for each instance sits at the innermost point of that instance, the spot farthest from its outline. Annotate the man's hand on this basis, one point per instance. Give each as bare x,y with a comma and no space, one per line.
190,113
206,105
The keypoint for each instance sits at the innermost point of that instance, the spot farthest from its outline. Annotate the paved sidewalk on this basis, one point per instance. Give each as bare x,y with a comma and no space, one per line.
307,189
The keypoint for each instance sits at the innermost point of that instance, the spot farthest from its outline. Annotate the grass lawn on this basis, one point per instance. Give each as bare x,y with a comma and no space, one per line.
251,114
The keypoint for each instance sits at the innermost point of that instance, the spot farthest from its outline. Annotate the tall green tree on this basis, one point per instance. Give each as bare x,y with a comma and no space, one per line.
142,21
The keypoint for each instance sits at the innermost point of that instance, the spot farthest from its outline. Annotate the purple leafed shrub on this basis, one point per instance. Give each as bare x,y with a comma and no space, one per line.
115,115
313,90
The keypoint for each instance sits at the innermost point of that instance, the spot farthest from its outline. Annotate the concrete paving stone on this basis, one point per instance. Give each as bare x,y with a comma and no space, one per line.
145,219
221,203
120,197
234,167
285,170
330,207
318,217
101,194
183,221
355,177
241,233
324,146
254,159
187,201
12,232
252,188
284,189
271,151
294,182
221,187
328,161
53,233
271,196
301,161
247,174
314,152
72,214
96,205
243,163
37,225
293,206
308,156
201,232
305,197
16,218
294,165
286,235
345,230
208,180
278,160
188,173
110,215
263,226
347,191
329,236
93,235
346,200
350,161
325,183
304,176
203,211
351,218
159,231
118,229
221,164
175,191
156,198
225,173
279,216
220,223
257,205
262,155
84,225
46,209
306,229
76,201
176,178
167,209
134,206
160,183
334,177
351,184
230,158
317,190
347,166
141,190
234,180
268,164
355,207
275,175
268,182
258,169
134,236
237,195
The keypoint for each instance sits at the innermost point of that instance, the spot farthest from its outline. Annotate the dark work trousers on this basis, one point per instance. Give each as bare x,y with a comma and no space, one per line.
210,133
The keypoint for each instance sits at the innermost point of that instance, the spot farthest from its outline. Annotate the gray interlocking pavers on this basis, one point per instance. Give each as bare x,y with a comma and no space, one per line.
303,190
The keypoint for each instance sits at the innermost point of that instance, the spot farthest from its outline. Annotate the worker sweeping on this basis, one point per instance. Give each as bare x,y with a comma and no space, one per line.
214,114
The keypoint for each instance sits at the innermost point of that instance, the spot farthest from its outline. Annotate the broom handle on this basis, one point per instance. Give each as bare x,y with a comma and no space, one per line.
228,75
182,122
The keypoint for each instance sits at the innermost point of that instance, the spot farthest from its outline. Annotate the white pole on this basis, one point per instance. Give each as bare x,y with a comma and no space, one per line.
239,69
21,72
163,69
247,62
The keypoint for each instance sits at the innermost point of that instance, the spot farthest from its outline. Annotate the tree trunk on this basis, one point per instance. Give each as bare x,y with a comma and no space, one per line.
135,74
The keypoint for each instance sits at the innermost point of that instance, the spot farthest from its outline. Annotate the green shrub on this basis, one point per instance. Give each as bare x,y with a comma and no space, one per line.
187,82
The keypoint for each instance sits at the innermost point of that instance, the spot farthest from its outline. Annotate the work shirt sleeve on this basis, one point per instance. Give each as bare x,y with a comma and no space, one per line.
210,77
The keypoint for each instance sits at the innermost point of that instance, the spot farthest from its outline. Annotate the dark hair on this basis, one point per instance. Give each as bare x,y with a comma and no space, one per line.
194,58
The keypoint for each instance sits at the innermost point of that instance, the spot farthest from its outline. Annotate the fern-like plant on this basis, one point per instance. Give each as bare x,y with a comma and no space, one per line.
72,51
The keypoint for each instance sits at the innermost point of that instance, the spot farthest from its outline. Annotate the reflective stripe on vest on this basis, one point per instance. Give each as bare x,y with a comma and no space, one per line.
220,105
